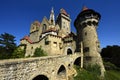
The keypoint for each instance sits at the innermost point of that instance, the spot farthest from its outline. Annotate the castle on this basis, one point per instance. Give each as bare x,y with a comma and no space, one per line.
63,47
55,36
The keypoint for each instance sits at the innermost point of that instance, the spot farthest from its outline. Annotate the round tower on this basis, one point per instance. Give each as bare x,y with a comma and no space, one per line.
86,24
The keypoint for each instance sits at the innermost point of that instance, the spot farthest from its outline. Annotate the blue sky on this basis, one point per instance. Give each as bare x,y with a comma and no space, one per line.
16,16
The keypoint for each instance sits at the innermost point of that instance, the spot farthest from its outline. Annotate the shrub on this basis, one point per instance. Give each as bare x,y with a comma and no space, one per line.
39,52
18,53
95,69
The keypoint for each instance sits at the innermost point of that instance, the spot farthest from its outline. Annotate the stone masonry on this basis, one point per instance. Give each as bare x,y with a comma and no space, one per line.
29,68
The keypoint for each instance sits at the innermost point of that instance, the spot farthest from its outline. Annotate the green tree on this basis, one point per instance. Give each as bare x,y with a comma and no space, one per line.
18,53
7,45
111,54
39,52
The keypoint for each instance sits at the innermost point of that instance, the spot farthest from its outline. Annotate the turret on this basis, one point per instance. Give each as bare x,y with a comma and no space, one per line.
86,24
34,26
63,20
34,31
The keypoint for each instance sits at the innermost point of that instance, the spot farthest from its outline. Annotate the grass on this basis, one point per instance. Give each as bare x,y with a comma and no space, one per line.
112,75
84,74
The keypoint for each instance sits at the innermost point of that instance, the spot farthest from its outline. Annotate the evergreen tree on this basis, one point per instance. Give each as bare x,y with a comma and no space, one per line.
7,45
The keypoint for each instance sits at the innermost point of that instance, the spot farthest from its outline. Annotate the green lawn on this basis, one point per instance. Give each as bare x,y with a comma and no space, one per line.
87,75
112,75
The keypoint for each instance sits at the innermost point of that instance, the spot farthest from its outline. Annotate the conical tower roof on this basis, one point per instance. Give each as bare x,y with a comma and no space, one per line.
84,8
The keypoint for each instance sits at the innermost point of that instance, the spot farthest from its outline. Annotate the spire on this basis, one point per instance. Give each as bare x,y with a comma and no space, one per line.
52,17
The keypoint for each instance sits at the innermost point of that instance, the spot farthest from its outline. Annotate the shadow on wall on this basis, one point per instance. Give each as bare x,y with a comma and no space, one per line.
62,72
41,77
77,61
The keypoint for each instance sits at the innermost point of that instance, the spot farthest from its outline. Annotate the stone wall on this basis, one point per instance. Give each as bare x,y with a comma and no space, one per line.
29,68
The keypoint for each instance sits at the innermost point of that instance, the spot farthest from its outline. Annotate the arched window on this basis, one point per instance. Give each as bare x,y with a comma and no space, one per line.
69,51
62,71
77,61
44,28
41,77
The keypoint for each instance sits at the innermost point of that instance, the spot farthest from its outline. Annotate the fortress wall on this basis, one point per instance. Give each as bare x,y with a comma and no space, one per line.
27,69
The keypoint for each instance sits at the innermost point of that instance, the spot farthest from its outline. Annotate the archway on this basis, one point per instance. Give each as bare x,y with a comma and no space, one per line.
62,72
77,61
69,51
40,77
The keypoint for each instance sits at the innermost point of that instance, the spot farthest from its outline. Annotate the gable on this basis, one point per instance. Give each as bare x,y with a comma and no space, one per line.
44,25
45,21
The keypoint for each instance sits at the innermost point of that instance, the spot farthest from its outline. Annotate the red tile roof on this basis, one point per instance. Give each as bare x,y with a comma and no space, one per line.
63,12
84,8
27,39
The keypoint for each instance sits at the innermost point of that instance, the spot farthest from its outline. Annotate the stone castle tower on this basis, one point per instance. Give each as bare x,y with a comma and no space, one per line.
55,37
86,24
63,21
